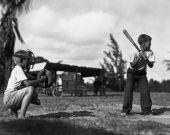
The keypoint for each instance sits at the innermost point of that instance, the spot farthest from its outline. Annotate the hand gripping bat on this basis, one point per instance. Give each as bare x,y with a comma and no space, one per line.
130,39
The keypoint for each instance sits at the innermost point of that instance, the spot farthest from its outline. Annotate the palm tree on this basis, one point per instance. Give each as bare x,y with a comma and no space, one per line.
11,9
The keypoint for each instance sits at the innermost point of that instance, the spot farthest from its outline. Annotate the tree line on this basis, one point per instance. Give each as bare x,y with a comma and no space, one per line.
156,86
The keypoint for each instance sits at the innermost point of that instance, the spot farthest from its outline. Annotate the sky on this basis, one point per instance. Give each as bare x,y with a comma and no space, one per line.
77,31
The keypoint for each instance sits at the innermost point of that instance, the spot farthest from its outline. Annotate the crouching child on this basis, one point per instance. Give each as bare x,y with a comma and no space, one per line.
20,90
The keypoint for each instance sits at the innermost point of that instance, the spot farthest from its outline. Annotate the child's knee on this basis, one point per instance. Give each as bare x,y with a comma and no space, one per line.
30,89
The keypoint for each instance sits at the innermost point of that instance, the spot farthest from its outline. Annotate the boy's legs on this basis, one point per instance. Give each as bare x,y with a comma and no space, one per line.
95,91
34,99
128,93
13,100
19,100
26,101
145,99
8,101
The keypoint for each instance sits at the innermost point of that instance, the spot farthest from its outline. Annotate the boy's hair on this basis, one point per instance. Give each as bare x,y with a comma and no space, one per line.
26,54
143,38
21,54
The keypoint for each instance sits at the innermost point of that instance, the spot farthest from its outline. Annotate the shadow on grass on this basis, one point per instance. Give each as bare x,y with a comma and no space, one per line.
65,114
157,111
160,111
48,127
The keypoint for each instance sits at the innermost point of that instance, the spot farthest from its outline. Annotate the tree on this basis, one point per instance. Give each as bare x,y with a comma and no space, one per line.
165,85
8,32
114,65
155,86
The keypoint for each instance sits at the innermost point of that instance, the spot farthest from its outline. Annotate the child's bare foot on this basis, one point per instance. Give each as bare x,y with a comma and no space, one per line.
13,112
22,117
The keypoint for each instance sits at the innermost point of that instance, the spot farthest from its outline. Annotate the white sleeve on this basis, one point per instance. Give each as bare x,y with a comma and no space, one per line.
20,74
151,57
133,56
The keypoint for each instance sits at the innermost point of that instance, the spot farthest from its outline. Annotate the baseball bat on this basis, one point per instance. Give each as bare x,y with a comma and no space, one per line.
130,39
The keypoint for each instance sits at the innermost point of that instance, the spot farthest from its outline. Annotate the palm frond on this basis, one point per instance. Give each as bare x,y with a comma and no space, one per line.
113,41
17,6
22,5
17,30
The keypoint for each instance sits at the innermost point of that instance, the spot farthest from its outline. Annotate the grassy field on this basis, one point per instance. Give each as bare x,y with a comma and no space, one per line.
88,115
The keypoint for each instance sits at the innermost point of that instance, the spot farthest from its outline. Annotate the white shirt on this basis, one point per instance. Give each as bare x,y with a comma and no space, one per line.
142,63
17,75
59,81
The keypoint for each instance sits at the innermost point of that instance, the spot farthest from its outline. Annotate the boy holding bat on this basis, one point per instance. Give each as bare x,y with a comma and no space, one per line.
137,73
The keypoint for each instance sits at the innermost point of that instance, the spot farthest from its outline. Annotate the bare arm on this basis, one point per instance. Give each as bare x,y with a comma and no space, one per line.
34,82
149,63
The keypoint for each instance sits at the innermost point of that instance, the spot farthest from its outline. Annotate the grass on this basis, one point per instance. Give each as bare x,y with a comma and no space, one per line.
88,115
146,127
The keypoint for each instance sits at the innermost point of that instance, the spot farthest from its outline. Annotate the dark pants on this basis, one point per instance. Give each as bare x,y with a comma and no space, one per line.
145,100
96,89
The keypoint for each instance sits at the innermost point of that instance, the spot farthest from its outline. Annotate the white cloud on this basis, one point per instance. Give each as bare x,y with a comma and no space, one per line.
87,28
78,34
75,39
40,20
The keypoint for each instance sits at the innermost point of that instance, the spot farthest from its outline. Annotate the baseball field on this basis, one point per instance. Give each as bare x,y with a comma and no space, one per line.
88,115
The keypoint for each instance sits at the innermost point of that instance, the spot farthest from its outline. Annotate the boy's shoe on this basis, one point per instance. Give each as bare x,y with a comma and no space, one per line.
35,101
123,114
158,111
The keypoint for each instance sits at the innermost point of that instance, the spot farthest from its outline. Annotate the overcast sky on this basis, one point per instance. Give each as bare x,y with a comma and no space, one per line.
77,31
